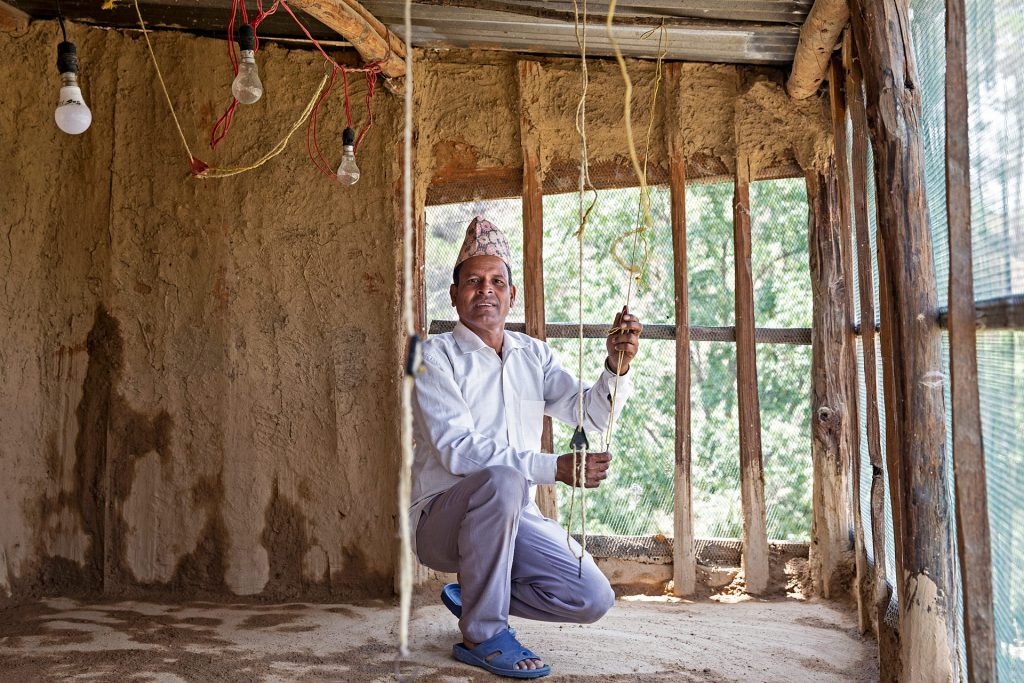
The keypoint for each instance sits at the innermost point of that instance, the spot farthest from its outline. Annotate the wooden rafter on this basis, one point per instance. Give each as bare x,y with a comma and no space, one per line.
818,38
353,22
12,19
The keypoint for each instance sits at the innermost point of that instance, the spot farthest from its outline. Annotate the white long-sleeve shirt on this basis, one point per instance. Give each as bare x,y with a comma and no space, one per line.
473,409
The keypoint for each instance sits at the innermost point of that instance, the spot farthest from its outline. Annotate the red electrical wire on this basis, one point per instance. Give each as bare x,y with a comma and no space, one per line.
369,71
311,141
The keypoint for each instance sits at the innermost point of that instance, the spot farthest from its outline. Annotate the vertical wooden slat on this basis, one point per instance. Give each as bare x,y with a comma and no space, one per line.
755,533
831,421
928,639
532,293
859,162
684,559
837,99
968,453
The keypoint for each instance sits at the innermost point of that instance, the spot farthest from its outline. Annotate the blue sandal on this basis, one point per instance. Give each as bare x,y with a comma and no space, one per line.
510,652
451,596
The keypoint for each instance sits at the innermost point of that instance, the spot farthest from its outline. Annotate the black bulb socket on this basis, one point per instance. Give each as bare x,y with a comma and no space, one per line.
348,137
67,57
246,37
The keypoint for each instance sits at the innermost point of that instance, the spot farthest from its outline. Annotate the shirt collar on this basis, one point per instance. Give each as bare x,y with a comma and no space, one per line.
469,342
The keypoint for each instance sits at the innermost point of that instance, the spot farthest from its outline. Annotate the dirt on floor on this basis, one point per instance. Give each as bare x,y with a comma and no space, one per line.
730,638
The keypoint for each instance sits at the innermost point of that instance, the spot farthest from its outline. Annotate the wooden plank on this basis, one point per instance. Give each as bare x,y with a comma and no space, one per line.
927,591
973,542
684,558
819,35
796,336
755,534
533,250
1000,313
464,181
837,100
859,162
831,425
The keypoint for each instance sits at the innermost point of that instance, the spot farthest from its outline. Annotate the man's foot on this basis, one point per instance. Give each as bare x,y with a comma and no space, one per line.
521,665
502,654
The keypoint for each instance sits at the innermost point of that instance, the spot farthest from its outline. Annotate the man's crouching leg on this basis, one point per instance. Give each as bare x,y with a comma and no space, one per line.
471,529
547,583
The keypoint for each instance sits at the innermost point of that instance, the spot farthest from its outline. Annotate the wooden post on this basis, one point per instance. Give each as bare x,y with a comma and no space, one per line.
684,558
755,532
928,639
859,161
831,422
837,98
968,454
533,251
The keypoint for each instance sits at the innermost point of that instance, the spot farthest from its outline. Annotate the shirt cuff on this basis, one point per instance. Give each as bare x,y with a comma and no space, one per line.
543,467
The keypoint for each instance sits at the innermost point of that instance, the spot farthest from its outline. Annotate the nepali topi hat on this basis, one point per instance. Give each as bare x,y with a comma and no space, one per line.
483,238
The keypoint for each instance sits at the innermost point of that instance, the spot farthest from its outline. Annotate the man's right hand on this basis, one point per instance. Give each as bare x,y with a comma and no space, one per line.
596,469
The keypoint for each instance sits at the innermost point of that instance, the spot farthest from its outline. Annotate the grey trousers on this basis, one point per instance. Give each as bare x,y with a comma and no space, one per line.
510,559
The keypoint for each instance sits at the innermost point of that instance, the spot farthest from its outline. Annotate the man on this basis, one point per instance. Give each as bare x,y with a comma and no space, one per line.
478,409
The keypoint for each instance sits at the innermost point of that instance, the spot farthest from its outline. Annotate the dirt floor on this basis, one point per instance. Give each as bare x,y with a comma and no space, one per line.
641,639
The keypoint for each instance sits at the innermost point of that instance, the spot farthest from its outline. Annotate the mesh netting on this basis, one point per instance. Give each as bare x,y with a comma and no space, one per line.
445,228
995,43
638,498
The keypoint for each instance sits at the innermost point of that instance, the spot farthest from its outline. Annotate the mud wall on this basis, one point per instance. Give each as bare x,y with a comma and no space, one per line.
198,379
467,116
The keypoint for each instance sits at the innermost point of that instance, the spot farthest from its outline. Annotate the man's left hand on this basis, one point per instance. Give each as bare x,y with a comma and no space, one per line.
623,340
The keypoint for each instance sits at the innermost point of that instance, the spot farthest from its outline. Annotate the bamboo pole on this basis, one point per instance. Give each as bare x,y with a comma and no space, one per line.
533,248
968,453
755,533
684,558
913,359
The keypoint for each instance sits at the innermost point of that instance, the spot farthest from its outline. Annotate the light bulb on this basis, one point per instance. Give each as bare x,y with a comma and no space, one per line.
247,87
72,115
348,171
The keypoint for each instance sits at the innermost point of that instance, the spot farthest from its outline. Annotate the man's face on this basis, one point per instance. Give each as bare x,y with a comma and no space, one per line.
483,295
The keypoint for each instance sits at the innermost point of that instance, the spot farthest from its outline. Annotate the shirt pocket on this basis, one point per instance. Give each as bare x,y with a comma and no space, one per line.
531,423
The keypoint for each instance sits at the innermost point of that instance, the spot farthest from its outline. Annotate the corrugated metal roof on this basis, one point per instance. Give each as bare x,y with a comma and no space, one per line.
734,31
737,31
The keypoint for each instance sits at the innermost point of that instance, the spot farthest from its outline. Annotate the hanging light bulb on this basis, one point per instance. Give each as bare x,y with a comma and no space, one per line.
247,87
348,172
72,116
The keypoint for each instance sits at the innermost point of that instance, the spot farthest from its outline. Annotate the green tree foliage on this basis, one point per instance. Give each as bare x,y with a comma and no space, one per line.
638,497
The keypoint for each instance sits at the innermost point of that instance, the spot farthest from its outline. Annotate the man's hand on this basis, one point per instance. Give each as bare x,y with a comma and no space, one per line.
624,339
596,469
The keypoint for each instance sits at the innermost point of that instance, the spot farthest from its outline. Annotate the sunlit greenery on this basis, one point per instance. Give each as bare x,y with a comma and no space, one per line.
638,498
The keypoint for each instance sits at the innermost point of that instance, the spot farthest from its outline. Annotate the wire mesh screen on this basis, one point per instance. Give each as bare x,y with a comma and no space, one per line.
637,498
445,228
605,282
780,264
715,441
709,254
995,43
1001,383
780,268
784,393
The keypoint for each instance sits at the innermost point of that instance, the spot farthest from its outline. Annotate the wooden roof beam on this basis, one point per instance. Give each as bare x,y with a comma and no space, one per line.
12,19
818,38
368,36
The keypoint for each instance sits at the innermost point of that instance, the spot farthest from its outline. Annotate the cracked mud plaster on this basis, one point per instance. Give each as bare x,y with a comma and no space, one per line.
716,104
240,307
